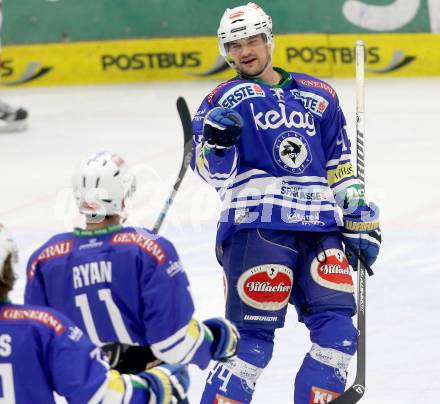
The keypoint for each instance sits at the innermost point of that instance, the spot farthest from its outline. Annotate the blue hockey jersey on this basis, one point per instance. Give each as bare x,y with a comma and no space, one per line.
292,162
121,284
41,351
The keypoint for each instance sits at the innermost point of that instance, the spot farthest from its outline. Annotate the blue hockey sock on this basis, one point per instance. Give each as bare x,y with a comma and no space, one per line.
317,382
323,374
223,384
234,381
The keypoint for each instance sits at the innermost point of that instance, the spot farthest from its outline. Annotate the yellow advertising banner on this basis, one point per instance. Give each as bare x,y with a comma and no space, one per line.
122,61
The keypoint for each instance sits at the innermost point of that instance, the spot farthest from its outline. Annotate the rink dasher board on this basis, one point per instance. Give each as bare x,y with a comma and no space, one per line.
197,58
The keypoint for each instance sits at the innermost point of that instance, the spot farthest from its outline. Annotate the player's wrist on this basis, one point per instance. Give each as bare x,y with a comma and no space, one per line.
361,219
219,151
354,225
351,199
213,146
159,384
168,383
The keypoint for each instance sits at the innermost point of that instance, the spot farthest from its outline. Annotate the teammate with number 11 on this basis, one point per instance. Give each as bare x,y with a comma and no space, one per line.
123,284
42,352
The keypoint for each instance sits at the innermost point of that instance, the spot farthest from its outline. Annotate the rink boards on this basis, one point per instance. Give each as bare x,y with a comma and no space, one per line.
123,61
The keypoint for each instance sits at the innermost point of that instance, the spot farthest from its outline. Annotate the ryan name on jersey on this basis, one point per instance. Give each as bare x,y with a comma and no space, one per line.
91,273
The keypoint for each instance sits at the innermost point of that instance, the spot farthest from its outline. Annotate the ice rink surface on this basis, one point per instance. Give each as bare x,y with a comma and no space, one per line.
140,122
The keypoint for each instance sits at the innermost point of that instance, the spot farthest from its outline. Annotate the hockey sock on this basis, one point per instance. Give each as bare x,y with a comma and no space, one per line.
234,381
323,374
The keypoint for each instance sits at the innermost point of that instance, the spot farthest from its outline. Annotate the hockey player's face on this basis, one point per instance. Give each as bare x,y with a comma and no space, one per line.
250,55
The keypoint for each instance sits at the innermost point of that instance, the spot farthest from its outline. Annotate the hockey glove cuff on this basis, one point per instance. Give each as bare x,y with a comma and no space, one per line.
362,235
225,338
168,383
362,219
222,128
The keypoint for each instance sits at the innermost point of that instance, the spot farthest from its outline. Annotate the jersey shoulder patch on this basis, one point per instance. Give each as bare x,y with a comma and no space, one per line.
57,246
211,97
34,314
306,81
143,238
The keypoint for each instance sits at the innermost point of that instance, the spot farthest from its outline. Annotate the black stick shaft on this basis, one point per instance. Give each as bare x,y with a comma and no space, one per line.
185,118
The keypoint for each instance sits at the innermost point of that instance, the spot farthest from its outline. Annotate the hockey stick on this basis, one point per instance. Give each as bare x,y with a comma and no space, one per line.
355,392
185,118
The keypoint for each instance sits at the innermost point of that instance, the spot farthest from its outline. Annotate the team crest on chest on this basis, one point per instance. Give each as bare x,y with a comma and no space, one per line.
278,93
291,151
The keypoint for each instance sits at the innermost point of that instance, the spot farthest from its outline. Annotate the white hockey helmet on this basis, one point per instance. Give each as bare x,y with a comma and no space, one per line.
101,185
7,248
242,22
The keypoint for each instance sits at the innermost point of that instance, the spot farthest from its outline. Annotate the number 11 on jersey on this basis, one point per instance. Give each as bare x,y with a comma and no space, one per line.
105,296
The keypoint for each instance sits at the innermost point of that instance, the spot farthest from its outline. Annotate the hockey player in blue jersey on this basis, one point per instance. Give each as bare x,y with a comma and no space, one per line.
274,146
42,352
123,284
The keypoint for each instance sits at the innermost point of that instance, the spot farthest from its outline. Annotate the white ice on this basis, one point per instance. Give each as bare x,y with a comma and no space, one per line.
140,122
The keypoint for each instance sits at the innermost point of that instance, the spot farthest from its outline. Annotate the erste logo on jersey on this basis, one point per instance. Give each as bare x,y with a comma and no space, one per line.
266,287
311,101
41,316
331,270
51,251
239,93
291,151
322,396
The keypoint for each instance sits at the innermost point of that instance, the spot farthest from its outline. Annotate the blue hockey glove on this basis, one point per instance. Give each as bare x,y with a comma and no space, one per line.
362,236
365,245
168,383
222,128
226,337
